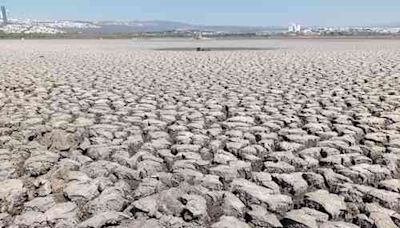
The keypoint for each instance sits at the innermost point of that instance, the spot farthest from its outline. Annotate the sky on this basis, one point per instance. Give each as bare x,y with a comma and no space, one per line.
215,12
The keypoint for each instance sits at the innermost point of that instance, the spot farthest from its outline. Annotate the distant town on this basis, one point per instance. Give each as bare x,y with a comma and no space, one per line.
26,28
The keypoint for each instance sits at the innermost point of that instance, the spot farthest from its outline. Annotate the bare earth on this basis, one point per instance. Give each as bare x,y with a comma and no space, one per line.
108,133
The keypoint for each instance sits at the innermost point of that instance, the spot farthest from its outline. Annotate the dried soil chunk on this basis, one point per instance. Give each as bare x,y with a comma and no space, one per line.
324,201
229,222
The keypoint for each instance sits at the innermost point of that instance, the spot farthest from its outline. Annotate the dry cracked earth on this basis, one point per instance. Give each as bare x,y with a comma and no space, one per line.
98,134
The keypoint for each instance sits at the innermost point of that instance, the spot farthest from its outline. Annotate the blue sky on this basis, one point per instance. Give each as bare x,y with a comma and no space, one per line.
215,12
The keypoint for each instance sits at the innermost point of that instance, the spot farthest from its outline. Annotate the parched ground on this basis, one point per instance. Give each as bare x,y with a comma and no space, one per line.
100,133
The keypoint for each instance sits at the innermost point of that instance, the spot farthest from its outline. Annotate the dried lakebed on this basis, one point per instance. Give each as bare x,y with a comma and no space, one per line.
97,134
215,49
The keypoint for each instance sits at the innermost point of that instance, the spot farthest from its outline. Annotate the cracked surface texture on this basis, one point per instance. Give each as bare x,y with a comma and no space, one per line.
103,134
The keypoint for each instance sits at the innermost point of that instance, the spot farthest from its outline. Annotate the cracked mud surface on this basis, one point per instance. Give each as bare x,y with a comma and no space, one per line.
97,134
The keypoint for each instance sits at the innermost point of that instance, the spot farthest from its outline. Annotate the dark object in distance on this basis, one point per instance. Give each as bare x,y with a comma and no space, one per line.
203,49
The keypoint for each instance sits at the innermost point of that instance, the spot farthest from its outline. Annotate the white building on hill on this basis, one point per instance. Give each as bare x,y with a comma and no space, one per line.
294,28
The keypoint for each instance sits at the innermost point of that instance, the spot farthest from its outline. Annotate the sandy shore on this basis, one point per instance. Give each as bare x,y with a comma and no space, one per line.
99,133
